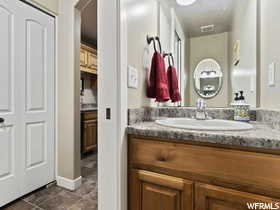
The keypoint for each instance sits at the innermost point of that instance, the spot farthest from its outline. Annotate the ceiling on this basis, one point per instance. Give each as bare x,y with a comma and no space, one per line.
203,13
192,17
89,23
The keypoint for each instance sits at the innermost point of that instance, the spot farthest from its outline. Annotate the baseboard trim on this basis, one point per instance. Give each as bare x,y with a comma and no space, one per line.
69,184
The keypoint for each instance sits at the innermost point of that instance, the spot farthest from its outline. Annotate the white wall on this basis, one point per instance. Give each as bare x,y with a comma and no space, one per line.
50,5
211,46
270,52
244,29
141,21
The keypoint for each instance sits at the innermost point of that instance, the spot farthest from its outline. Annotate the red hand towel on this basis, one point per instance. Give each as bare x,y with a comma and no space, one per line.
174,92
157,81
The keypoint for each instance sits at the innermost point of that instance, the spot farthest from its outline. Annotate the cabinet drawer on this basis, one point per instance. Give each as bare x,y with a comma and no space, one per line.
248,171
89,115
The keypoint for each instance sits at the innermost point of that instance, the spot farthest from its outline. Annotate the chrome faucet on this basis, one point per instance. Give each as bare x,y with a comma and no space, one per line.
200,113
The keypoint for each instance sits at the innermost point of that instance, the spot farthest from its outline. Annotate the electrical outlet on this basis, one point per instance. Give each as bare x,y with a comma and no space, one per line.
132,77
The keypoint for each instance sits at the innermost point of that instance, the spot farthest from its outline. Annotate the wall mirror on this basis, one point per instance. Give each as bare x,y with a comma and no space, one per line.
208,78
223,30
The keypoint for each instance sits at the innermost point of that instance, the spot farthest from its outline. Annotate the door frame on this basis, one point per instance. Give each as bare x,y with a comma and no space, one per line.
112,146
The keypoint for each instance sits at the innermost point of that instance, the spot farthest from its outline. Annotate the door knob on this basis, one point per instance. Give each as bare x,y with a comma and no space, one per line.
2,120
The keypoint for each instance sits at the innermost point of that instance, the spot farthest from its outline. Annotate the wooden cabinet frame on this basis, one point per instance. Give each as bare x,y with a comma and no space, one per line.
138,177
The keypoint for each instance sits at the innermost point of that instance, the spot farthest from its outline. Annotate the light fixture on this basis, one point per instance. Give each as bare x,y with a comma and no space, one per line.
185,2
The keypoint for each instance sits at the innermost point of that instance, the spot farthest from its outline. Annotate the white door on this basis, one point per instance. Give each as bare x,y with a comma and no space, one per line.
26,99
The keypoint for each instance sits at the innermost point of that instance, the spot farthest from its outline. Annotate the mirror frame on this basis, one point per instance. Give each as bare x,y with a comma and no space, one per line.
220,83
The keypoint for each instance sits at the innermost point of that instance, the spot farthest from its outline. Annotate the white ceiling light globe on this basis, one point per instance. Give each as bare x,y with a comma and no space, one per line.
185,2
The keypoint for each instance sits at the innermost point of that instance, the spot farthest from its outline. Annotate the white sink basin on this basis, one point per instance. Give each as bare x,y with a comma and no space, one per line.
210,125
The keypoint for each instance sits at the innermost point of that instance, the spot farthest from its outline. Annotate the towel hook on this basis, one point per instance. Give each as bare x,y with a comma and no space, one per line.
172,58
157,38
154,39
151,39
169,55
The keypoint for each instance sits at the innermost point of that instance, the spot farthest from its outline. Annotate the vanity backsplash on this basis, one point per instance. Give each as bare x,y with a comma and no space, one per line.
139,115
271,117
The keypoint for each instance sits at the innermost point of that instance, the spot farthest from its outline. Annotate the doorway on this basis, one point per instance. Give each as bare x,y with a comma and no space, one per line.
89,100
111,103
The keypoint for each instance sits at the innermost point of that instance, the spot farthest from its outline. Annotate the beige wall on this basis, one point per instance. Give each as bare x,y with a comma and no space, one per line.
270,52
68,78
244,28
50,5
216,47
141,21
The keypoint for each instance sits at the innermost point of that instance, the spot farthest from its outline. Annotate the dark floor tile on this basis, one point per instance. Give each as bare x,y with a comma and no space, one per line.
43,194
86,188
91,196
63,201
87,172
19,205
85,204
89,162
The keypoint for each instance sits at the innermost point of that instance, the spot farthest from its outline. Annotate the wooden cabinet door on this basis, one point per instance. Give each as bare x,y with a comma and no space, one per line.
89,136
159,198
83,57
209,197
92,61
151,191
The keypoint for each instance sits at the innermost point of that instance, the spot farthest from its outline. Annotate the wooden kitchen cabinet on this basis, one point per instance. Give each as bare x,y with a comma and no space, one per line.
83,58
92,60
88,59
152,191
168,175
89,132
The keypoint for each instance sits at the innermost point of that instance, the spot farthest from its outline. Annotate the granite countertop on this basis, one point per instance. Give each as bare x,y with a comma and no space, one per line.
261,136
88,107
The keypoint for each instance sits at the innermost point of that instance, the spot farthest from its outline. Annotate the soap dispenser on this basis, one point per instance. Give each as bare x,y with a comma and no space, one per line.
236,99
241,109
241,98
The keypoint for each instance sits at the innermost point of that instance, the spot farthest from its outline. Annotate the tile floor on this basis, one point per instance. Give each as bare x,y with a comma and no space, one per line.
57,198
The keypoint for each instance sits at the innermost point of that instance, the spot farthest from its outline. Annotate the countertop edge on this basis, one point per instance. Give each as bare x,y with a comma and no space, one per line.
207,137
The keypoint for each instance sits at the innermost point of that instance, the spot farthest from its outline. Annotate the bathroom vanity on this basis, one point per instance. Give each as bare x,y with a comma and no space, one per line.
177,169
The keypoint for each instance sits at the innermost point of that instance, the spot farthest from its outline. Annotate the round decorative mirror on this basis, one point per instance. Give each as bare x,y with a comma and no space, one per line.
208,78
